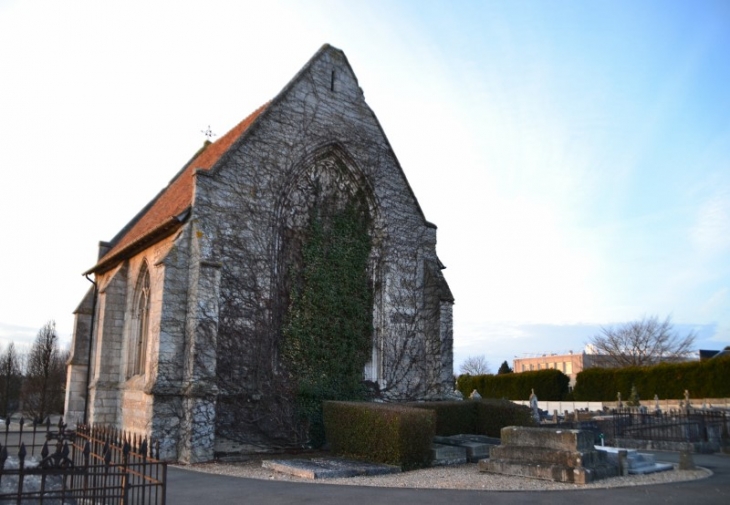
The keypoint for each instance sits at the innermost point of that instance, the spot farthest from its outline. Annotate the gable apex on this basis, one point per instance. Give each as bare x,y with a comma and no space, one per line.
330,70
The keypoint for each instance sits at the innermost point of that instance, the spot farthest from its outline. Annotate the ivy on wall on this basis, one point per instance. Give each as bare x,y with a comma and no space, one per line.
328,332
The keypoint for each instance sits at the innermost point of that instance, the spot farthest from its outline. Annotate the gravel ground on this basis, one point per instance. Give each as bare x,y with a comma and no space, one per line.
449,477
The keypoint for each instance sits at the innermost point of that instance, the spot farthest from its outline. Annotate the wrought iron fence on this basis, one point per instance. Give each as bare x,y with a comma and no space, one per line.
694,425
91,465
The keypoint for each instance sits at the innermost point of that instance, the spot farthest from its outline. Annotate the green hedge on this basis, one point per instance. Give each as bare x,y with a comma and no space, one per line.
482,417
452,418
493,415
548,385
380,433
703,379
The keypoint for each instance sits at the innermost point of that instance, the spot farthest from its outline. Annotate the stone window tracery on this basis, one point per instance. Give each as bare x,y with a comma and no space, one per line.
140,329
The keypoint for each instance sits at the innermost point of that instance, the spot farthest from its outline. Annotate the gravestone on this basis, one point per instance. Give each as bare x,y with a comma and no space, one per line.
533,406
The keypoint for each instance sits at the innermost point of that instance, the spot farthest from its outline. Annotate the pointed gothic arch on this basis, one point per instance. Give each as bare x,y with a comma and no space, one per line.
325,182
139,336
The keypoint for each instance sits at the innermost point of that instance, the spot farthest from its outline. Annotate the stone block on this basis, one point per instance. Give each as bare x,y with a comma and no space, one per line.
547,456
476,446
448,455
686,460
550,454
548,438
557,473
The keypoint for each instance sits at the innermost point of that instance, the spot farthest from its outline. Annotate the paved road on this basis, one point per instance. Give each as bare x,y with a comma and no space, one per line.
186,487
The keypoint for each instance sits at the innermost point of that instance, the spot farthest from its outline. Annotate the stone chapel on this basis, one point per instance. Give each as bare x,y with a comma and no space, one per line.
196,329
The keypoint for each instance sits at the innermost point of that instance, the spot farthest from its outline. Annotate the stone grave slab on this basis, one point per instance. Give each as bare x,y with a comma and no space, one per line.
447,455
476,446
639,463
327,468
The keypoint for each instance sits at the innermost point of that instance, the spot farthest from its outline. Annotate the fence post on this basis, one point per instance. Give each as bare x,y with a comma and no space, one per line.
3,458
21,469
125,473
107,466
35,429
86,454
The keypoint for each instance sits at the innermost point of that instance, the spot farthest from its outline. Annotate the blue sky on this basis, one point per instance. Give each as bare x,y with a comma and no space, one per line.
575,155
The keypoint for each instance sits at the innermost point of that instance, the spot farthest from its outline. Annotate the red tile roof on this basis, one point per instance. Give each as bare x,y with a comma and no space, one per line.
161,216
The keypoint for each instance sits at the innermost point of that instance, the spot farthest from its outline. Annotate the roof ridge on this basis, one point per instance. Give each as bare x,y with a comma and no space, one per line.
172,201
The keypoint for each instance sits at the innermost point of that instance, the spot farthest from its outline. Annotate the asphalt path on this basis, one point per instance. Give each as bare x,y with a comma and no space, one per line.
186,487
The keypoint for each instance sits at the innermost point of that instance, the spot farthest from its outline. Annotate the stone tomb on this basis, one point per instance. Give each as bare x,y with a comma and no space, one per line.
550,454
636,463
458,449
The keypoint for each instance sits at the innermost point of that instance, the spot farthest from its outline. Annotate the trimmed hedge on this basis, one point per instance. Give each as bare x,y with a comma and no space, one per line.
380,433
703,379
493,415
453,417
548,385
480,417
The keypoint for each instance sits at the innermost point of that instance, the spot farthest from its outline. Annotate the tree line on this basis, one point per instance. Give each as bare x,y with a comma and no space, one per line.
33,382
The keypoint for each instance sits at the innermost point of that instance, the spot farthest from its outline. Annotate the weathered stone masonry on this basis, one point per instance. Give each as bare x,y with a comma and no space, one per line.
219,244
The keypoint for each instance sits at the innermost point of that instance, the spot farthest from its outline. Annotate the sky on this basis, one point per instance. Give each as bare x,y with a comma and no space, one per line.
575,156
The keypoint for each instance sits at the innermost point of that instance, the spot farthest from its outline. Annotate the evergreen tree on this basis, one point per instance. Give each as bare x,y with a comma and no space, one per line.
504,368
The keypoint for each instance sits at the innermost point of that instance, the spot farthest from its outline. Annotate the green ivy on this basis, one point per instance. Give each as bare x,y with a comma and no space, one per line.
328,333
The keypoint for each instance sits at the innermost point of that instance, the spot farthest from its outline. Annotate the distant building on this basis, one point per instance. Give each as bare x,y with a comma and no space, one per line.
707,354
570,364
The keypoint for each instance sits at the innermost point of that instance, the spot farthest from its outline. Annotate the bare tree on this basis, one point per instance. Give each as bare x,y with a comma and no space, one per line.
643,342
475,365
11,379
45,382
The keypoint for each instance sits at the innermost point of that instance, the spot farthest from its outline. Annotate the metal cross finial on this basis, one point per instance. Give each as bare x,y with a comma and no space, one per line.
208,133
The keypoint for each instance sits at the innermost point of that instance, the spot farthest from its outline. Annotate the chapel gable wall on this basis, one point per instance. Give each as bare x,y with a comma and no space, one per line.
242,204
